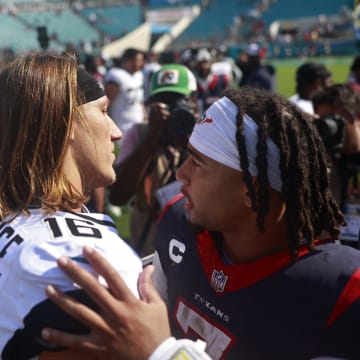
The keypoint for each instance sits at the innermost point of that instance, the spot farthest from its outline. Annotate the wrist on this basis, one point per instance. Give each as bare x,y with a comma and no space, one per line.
162,349
173,349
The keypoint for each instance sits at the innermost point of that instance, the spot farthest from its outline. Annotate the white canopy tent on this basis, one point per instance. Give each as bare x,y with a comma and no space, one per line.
138,39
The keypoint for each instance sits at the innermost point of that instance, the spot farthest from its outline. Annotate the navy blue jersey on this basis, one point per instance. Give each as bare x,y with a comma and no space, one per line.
271,308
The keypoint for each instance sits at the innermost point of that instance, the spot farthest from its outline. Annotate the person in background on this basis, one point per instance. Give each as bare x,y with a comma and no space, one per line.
209,85
187,57
243,65
310,78
152,64
93,65
57,146
124,86
225,65
152,152
255,73
337,110
250,279
354,77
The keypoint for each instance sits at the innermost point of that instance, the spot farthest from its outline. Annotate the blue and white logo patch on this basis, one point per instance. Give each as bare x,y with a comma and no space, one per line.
218,280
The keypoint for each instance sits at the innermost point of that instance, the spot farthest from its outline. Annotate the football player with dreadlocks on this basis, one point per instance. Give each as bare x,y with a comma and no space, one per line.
251,279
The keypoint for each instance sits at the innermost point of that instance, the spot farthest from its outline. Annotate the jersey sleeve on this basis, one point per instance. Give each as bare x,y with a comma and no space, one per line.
32,271
27,342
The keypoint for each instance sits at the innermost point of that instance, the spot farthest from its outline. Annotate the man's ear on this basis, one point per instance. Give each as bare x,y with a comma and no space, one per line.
72,135
247,198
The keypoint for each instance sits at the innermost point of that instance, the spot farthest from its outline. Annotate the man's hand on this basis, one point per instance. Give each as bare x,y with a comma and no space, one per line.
127,328
159,112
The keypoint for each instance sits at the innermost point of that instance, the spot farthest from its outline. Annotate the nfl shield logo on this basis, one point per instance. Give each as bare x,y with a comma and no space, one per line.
218,280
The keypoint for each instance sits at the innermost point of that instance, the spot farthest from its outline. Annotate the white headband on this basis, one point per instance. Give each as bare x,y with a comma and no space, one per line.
214,136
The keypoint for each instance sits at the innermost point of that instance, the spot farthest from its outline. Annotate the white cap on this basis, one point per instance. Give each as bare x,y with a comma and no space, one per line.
203,55
253,50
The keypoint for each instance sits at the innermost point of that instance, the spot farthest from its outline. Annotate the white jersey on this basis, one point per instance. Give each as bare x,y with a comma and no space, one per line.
148,70
29,249
305,105
127,107
227,67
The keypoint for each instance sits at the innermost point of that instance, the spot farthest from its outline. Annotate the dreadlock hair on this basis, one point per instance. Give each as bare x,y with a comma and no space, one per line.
310,207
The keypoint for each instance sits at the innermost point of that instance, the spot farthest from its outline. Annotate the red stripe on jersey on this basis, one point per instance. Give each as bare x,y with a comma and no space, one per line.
348,296
169,204
214,82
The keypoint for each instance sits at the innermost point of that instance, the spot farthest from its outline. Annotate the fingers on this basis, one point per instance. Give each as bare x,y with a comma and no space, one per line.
84,279
113,304
159,112
77,310
115,282
89,284
146,287
86,344
158,106
66,339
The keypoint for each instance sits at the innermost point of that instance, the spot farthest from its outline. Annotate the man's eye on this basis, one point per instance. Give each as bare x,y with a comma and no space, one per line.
195,162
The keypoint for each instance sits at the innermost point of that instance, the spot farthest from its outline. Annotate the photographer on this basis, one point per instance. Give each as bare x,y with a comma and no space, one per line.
338,120
152,152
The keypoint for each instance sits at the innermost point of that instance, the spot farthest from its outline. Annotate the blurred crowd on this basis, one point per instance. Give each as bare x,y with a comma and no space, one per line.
129,82
149,153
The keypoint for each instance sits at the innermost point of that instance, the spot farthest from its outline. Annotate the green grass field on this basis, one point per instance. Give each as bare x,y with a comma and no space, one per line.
285,69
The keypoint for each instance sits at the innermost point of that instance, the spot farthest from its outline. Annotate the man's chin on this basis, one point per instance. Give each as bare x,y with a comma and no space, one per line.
197,226
194,221
106,181
110,180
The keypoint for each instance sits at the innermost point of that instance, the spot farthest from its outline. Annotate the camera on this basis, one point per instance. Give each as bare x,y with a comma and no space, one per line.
331,129
181,119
